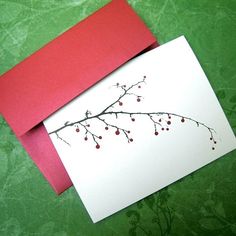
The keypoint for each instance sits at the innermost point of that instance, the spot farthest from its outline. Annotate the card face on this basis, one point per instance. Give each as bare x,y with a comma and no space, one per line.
148,124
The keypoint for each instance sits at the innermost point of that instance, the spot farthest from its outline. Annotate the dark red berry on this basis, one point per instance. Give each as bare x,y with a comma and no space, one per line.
120,103
211,138
133,119
131,140
213,148
139,86
162,129
106,128
128,132
169,117
144,76
86,138
88,125
138,100
156,133
77,130
117,132
97,146
182,120
100,137
214,142
168,122
167,129
159,120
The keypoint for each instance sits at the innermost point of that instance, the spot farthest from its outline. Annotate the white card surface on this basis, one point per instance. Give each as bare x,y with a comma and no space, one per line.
165,88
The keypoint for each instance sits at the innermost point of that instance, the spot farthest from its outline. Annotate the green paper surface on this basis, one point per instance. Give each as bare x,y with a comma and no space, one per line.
200,204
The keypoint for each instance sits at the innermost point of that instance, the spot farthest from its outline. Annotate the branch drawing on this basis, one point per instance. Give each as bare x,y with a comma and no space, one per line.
160,120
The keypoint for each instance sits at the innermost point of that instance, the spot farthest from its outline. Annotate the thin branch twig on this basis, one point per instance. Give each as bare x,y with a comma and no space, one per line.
108,111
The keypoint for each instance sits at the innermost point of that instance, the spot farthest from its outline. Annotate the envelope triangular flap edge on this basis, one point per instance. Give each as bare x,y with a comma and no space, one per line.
70,64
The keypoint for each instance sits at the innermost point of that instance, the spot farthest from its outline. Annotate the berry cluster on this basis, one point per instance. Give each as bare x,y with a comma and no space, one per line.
160,120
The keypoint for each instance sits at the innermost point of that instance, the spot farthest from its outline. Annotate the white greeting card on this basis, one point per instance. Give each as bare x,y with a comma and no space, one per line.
148,124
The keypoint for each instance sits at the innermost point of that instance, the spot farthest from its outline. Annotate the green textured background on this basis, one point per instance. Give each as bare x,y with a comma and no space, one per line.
200,204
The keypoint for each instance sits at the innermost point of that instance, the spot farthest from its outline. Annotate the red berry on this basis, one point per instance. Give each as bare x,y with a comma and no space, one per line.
156,133
88,125
86,138
131,140
128,132
167,129
159,120
100,137
169,117
144,76
97,146
139,86
168,122
182,120
117,132
133,119
77,130
120,103
138,100
106,128
162,129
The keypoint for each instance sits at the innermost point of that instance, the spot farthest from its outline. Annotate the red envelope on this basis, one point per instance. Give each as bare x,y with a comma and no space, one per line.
63,69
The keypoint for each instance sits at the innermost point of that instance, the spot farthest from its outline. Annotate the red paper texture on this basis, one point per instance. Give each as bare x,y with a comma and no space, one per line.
63,69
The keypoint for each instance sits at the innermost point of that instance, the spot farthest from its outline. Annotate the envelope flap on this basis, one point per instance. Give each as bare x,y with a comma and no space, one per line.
70,64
